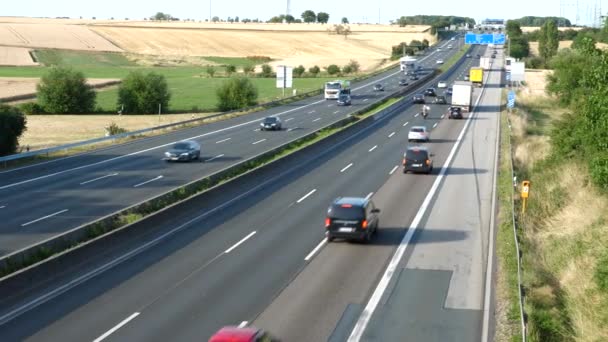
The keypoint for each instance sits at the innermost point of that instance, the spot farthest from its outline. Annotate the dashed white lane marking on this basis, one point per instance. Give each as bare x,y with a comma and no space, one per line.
416,115
306,196
391,135
346,167
243,324
317,119
289,119
394,169
369,195
373,148
365,100
118,326
240,242
44,217
214,158
223,140
291,129
148,181
99,178
315,250
435,125
405,124
257,142
312,112
336,112
2,206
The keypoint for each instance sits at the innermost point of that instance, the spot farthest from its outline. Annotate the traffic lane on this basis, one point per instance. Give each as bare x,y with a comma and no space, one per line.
457,266
136,288
343,273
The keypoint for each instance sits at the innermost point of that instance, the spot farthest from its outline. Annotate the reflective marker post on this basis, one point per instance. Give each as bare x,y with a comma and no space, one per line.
525,190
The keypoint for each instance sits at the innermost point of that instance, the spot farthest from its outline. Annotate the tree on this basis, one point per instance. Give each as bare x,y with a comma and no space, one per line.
565,80
417,45
277,19
12,125
315,70
513,28
309,16
354,65
230,69
65,91
266,70
347,69
215,19
161,16
322,17
333,69
402,22
236,93
248,69
290,19
141,93
344,20
425,44
210,70
299,71
548,42
519,47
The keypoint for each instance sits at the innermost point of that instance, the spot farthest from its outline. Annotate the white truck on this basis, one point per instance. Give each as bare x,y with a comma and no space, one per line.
333,89
408,64
462,95
485,63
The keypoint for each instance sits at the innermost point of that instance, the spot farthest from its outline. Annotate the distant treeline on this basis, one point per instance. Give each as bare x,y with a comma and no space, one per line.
540,21
437,20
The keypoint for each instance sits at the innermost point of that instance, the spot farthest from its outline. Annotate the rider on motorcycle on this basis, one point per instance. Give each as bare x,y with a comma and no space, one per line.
425,110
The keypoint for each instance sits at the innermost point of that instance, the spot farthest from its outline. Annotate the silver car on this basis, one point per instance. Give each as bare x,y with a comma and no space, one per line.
419,133
184,151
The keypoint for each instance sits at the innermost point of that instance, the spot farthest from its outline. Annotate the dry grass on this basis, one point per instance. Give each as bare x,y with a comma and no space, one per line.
13,86
536,28
563,44
15,56
51,130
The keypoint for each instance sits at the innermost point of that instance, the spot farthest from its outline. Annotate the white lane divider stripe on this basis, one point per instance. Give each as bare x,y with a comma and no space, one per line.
317,119
214,158
391,135
289,119
394,169
240,242
336,112
405,124
312,112
259,141
306,196
365,100
44,217
315,250
118,326
223,140
416,115
435,125
346,167
291,129
369,195
373,148
99,178
2,206
243,324
148,181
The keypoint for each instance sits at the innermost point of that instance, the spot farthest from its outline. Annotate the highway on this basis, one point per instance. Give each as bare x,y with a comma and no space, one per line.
257,253
48,198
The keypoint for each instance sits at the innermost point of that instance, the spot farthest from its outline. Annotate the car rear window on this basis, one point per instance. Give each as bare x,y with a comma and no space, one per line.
181,146
417,130
416,155
340,212
270,120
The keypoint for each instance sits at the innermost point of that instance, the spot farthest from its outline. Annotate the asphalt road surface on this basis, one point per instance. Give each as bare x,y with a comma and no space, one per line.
262,259
48,198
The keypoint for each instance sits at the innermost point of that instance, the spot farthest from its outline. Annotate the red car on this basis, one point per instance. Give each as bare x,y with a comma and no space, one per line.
236,334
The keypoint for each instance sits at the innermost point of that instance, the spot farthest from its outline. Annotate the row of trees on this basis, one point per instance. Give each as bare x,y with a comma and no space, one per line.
435,21
540,21
410,50
580,81
12,125
308,16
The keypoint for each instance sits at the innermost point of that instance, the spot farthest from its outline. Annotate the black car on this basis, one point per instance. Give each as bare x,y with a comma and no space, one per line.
418,98
403,82
417,159
449,91
478,56
343,100
378,87
430,92
414,77
455,113
440,99
351,218
272,123
184,151
493,56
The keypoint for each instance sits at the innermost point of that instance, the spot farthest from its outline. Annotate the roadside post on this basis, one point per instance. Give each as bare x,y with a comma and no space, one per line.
284,77
525,191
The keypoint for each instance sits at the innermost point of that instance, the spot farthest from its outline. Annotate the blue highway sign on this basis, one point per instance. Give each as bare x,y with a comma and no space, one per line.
484,38
511,99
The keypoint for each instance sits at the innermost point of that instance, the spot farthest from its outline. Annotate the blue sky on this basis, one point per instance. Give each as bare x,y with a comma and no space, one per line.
355,10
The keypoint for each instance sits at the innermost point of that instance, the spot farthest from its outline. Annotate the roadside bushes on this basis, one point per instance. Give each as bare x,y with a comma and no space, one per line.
141,93
12,125
236,93
65,91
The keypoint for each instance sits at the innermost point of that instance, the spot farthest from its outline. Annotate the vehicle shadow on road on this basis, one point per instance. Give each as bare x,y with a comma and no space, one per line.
392,236
463,171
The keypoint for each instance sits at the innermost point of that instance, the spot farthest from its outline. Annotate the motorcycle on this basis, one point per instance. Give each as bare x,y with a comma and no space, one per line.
425,111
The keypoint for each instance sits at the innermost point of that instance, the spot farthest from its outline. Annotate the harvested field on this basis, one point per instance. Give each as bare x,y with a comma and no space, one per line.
536,28
19,86
563,44
56,36
16,56
294,47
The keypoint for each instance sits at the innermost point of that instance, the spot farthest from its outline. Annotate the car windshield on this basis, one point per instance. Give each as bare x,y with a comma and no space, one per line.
417,130
270,120
416,155
181,146
341,213
332,85
343,97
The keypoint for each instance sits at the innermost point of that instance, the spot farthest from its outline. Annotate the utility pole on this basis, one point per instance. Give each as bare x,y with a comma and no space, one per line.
209,10
288,10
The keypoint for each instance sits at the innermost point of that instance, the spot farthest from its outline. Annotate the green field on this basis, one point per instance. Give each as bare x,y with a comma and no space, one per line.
190,86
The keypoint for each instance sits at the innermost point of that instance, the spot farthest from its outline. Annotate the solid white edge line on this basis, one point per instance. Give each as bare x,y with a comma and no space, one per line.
259,141
44,217
346,167
369,195
315,250
100,178
394,169
118,326
148,181
240,242
214,158
373,148
223,140
374,300
306,196
391,135
243,324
